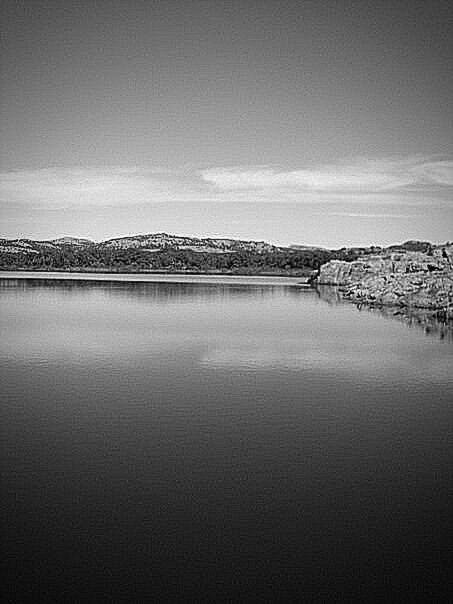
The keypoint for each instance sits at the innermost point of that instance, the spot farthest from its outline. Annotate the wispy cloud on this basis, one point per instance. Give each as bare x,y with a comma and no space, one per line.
362,176
402,181
383,215
90,186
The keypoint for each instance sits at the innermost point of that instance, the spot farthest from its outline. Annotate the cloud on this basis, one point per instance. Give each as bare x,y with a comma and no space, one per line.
363,176
403,181
61,187
384,215
440,172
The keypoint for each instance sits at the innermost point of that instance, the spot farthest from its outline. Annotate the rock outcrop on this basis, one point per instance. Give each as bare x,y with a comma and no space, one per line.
404,279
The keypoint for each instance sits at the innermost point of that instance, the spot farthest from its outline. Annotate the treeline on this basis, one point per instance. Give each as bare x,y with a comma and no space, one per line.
99,258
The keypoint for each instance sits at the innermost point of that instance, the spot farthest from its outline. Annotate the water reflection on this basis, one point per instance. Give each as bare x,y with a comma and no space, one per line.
218,326
213,434
159,292
419,318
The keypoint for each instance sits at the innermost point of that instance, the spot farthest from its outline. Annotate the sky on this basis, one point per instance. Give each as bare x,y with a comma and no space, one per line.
311,122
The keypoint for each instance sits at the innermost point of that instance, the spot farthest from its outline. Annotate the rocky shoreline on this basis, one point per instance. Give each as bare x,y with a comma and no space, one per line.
402,280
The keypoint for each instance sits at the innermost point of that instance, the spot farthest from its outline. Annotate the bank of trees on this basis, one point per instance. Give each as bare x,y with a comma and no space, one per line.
102,258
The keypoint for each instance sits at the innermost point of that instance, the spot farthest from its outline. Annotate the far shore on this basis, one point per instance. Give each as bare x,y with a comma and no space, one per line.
162,277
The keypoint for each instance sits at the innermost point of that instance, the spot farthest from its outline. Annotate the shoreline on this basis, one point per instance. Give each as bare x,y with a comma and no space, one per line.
414,281
156,277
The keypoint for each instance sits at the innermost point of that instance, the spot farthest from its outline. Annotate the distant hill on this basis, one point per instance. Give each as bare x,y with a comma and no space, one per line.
163,241
71,241
297,246
150,242
162,252
156,252
413,246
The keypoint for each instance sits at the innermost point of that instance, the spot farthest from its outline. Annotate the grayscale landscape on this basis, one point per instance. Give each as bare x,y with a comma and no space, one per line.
226,301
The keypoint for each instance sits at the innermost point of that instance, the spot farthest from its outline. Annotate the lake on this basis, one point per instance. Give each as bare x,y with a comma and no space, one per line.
220,442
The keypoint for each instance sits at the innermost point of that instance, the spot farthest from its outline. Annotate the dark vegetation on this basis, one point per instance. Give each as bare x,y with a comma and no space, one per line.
93,257
96,258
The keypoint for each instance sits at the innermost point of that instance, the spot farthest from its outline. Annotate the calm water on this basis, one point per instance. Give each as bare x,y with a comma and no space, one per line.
220,442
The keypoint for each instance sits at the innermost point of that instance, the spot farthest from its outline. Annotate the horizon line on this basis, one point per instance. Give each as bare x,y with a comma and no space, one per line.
235,238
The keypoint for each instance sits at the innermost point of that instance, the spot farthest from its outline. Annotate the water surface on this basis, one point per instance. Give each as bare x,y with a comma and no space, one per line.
220,442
